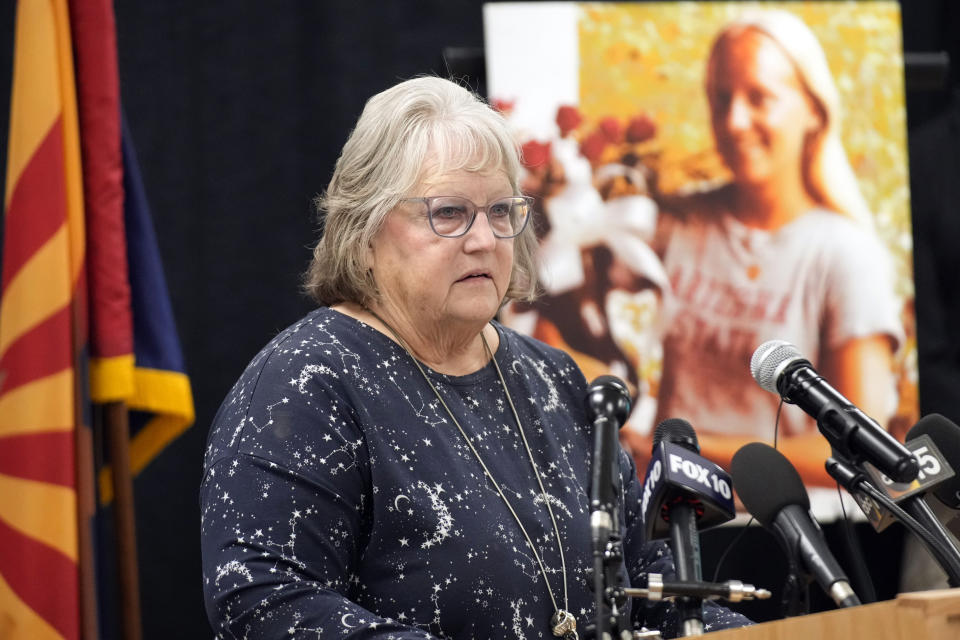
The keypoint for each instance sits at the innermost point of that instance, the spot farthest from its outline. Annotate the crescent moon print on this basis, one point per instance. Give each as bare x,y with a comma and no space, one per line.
343,620
396,501
515,366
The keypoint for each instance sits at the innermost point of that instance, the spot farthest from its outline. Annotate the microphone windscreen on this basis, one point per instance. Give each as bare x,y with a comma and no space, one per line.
946,435
677,431
766,482
766,362
609,396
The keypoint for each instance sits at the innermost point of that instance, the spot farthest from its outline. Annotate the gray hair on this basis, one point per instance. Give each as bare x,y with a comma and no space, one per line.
828,174
421,125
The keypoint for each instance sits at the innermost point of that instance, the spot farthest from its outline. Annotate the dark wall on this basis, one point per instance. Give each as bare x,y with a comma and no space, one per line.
238,111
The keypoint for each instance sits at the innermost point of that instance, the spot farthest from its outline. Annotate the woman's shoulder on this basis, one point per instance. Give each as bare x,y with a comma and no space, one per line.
829,220
831,231
315,336
518,345
303,364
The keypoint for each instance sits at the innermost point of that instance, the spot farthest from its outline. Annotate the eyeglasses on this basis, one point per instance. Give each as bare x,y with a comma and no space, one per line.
452,216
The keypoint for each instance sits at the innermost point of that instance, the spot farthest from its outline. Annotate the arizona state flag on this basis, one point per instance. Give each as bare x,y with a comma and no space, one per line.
83,313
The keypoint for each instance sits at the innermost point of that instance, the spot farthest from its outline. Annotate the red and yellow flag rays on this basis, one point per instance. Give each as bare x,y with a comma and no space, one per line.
42,329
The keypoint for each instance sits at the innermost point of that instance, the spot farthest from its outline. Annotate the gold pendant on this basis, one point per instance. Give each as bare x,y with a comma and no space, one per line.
564,625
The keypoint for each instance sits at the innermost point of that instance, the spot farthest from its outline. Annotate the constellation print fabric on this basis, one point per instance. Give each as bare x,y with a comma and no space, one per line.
339,500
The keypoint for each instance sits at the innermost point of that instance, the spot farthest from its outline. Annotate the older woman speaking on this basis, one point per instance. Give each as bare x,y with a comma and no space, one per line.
397,464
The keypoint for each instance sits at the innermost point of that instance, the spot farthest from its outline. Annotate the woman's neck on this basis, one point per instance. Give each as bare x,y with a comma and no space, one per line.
448,348
770,206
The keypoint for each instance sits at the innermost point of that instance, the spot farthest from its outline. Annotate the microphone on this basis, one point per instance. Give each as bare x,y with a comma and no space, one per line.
732,590
608,405
875,503
934,475
946,436
772,491
676,472
778,367
682,488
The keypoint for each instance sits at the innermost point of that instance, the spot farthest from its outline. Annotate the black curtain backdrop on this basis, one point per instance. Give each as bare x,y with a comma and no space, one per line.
238,111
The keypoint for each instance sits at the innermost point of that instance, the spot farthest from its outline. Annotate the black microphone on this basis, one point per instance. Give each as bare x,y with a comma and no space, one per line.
608,405
936,477
732,590
936,474
682,488
676,472
778,367
772,491
943,515
877,504
946,436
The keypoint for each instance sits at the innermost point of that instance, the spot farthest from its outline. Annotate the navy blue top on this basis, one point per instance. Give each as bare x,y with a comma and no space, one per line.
339,500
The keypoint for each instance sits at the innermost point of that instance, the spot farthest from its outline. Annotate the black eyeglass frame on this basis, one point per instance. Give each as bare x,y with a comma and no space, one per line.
428,201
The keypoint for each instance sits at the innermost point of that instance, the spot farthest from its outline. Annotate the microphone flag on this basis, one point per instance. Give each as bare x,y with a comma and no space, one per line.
676,473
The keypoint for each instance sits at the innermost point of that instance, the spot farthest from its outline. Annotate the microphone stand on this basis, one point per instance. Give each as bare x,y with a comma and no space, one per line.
606,536
732,590
685,544
609,404
659,589
609,594
857,482
796,589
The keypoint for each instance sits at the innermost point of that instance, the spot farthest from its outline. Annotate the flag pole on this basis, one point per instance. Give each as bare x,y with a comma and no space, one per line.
86,492
117,429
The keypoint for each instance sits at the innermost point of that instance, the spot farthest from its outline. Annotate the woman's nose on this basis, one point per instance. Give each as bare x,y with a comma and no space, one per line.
480,235
738,114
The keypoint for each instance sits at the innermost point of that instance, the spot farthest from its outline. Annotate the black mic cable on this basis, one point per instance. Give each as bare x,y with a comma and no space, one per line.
855,481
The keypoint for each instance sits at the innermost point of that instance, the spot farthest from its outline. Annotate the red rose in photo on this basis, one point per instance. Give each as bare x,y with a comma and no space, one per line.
641,128
612,130
593,145
568,119
535,154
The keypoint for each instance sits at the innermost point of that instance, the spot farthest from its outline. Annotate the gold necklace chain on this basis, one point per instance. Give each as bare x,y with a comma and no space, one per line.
562,623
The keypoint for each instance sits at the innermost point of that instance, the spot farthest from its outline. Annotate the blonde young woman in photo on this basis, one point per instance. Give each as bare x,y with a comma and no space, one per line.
785,250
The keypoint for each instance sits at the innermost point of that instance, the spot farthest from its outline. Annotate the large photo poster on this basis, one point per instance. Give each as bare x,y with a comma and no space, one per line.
710,176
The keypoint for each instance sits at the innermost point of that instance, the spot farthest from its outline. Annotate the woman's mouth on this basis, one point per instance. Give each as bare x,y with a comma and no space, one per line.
471,277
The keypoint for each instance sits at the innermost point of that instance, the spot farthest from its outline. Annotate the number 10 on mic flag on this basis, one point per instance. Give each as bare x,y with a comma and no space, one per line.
676,473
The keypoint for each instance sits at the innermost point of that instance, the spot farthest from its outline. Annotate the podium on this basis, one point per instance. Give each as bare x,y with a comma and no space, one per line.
924,615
